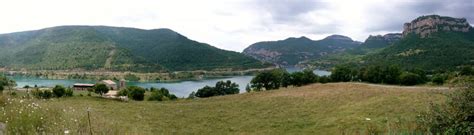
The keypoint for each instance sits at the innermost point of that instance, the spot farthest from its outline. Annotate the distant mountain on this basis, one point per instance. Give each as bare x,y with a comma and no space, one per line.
292,51
380,41
114,48
431,43
372,44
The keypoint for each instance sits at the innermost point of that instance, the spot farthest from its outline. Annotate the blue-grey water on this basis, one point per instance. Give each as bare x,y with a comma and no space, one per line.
180,89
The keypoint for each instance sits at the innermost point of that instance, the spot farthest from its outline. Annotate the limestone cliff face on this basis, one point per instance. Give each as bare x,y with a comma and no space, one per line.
426,25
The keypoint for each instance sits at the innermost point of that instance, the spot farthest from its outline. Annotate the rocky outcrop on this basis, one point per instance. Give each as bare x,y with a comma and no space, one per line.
392,37
388,38
425,25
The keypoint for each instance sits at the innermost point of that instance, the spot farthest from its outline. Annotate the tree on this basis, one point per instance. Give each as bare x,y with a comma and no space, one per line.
391,74
221,88
206,91
309,77
467,70
437,79
136,93
269,80
341,73
297,78
410,79
247,88
58,91
192,95
27,87
285,80
101,89
161,95
324,79
227,87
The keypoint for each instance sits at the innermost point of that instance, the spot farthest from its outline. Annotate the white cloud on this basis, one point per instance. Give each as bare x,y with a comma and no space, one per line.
230,24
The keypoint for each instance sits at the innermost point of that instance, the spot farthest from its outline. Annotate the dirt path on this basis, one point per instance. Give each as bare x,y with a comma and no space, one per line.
108,62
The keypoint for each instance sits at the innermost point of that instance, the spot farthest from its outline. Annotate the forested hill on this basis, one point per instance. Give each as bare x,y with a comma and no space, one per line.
292,51
114,48
431,43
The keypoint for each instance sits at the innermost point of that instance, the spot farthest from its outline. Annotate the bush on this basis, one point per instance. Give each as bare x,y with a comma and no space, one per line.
439,80
58,91
46,94
269,80
192,95
324,79
221,88
123,92
467,70
456,116
134,92
69,92
161,95
341,73
101,89
410,79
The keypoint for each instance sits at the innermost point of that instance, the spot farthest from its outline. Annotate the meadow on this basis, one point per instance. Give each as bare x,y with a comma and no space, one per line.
333,108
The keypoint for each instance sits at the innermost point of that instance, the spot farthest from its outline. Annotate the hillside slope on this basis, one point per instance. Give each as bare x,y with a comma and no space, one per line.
334,108
372,44
292,51
431,43
114,48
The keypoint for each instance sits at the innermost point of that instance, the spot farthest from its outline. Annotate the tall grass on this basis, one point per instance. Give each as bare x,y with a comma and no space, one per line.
29,116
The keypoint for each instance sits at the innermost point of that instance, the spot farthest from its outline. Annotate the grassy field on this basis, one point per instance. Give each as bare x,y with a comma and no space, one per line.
333,108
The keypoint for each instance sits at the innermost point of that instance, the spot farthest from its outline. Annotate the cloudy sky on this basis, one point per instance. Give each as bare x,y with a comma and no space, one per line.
232,24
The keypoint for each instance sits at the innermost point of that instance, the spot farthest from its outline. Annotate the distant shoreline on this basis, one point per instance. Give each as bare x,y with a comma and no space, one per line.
132,76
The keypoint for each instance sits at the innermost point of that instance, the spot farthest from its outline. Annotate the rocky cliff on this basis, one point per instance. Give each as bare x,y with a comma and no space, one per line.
425,25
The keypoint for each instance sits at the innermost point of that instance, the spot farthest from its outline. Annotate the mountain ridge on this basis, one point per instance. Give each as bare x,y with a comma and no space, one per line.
291,51
88,47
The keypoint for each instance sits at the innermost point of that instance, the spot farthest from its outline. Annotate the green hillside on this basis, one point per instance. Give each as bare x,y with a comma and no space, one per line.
292,51
114,48
373,44
439,51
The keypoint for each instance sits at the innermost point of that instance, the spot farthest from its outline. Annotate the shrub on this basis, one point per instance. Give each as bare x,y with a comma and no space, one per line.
324,79
46,94
410,79
439,80
123,92
269,80
101,89
69,92
206,91
161,95
136,93
221,88
341,73
467,70
58,91
192,95
456,116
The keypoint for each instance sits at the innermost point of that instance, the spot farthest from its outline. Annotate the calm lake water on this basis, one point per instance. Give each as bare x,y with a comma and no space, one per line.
180,89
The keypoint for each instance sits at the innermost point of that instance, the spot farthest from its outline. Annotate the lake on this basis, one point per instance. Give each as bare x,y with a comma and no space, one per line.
180,88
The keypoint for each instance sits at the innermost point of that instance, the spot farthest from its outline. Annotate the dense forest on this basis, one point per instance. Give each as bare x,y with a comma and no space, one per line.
114,48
